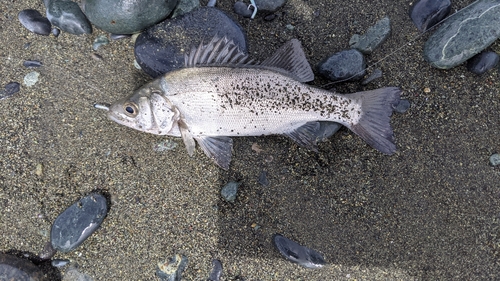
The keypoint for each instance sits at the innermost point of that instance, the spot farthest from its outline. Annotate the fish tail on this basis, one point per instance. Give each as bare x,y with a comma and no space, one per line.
374,124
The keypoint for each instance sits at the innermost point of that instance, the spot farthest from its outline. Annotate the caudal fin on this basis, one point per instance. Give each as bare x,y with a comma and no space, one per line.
374,125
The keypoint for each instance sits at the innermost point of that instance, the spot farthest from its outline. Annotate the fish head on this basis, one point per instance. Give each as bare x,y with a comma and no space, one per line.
146,110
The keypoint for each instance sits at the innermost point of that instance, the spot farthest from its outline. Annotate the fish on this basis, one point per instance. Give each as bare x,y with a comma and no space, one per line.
222,93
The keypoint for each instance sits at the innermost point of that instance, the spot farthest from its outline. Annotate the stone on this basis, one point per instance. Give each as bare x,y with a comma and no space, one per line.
297,253
99,41
14,268
427,13
402,106
32,63
31,78
126,16
242,9
172,268
229,191
9,89
495,159
344,65
376,74
482,62
374,37
269,5
216,271
34,22
161,48
78,222
464,34
68,16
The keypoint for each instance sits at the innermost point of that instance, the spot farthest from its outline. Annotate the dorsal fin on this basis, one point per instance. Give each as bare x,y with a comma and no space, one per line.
219,51
291,61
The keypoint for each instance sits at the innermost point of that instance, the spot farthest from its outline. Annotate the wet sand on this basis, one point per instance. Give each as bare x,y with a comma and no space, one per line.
429,212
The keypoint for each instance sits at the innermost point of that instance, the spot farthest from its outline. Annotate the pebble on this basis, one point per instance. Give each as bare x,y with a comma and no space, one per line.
495,159
165,145
31,78
161,48
402,106
34,21
39,169
78,222
56,32
344,65
72,274
269,5
326,130
9,89
374,37
68,16
59,262
99,41
242,9
14,268
427,13
482,62
48,252
376,74
229,191
114,36
184,7
216,271
127,16
296,253
263,178
32,63
464,34
172,268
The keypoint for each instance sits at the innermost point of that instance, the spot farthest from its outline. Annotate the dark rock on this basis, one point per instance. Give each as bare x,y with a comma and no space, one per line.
263,178
377,73
294,252
127,16
9,89
426,13
216,271
14,268
230,190
242,9
32,63
171,269
270,17
68,16
161,48
185,6
402,106
374,37
482,62
78,222
34,21
464,34
344,65
269,5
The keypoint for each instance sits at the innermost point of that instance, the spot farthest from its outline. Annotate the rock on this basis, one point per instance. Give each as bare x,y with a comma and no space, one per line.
426,13
171,269
482,62
14,268
68,16
402,106
48,252
242,9
185,6
495,159
9,89
114,36
59,262
78,222
344,65
464,34
31,78
161,48
377,73
229,191
294,252
56,31
269,5
72,274
216,271
100,40
375,36
32,63
127,16
263,178
165,145
34,21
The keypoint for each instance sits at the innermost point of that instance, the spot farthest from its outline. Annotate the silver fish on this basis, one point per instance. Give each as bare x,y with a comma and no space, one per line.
221,93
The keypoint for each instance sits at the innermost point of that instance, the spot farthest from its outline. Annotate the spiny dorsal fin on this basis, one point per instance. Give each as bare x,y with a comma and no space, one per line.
219,51
290,60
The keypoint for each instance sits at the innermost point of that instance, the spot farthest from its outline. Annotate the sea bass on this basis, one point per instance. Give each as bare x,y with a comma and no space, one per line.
221,93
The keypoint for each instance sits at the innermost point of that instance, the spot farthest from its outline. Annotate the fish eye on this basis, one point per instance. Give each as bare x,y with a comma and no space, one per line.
130,109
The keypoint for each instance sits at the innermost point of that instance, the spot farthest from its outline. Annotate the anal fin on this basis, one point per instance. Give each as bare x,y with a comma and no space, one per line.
306,135
218,149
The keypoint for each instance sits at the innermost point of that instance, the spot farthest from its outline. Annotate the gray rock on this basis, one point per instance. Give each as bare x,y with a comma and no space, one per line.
269,5
374,37
216,271
9,89
263,178
48,252
482,62
99,41
242,9
495,159
59,262
402,106
344,65
426,13
34,21
296,253
377,73
68,16
171,269
31,78
184,7
72,274
464,34
126,16
32,63
78,222
229,191
14,268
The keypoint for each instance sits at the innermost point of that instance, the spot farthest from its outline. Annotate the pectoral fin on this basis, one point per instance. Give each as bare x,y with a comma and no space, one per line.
187,137
217,148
